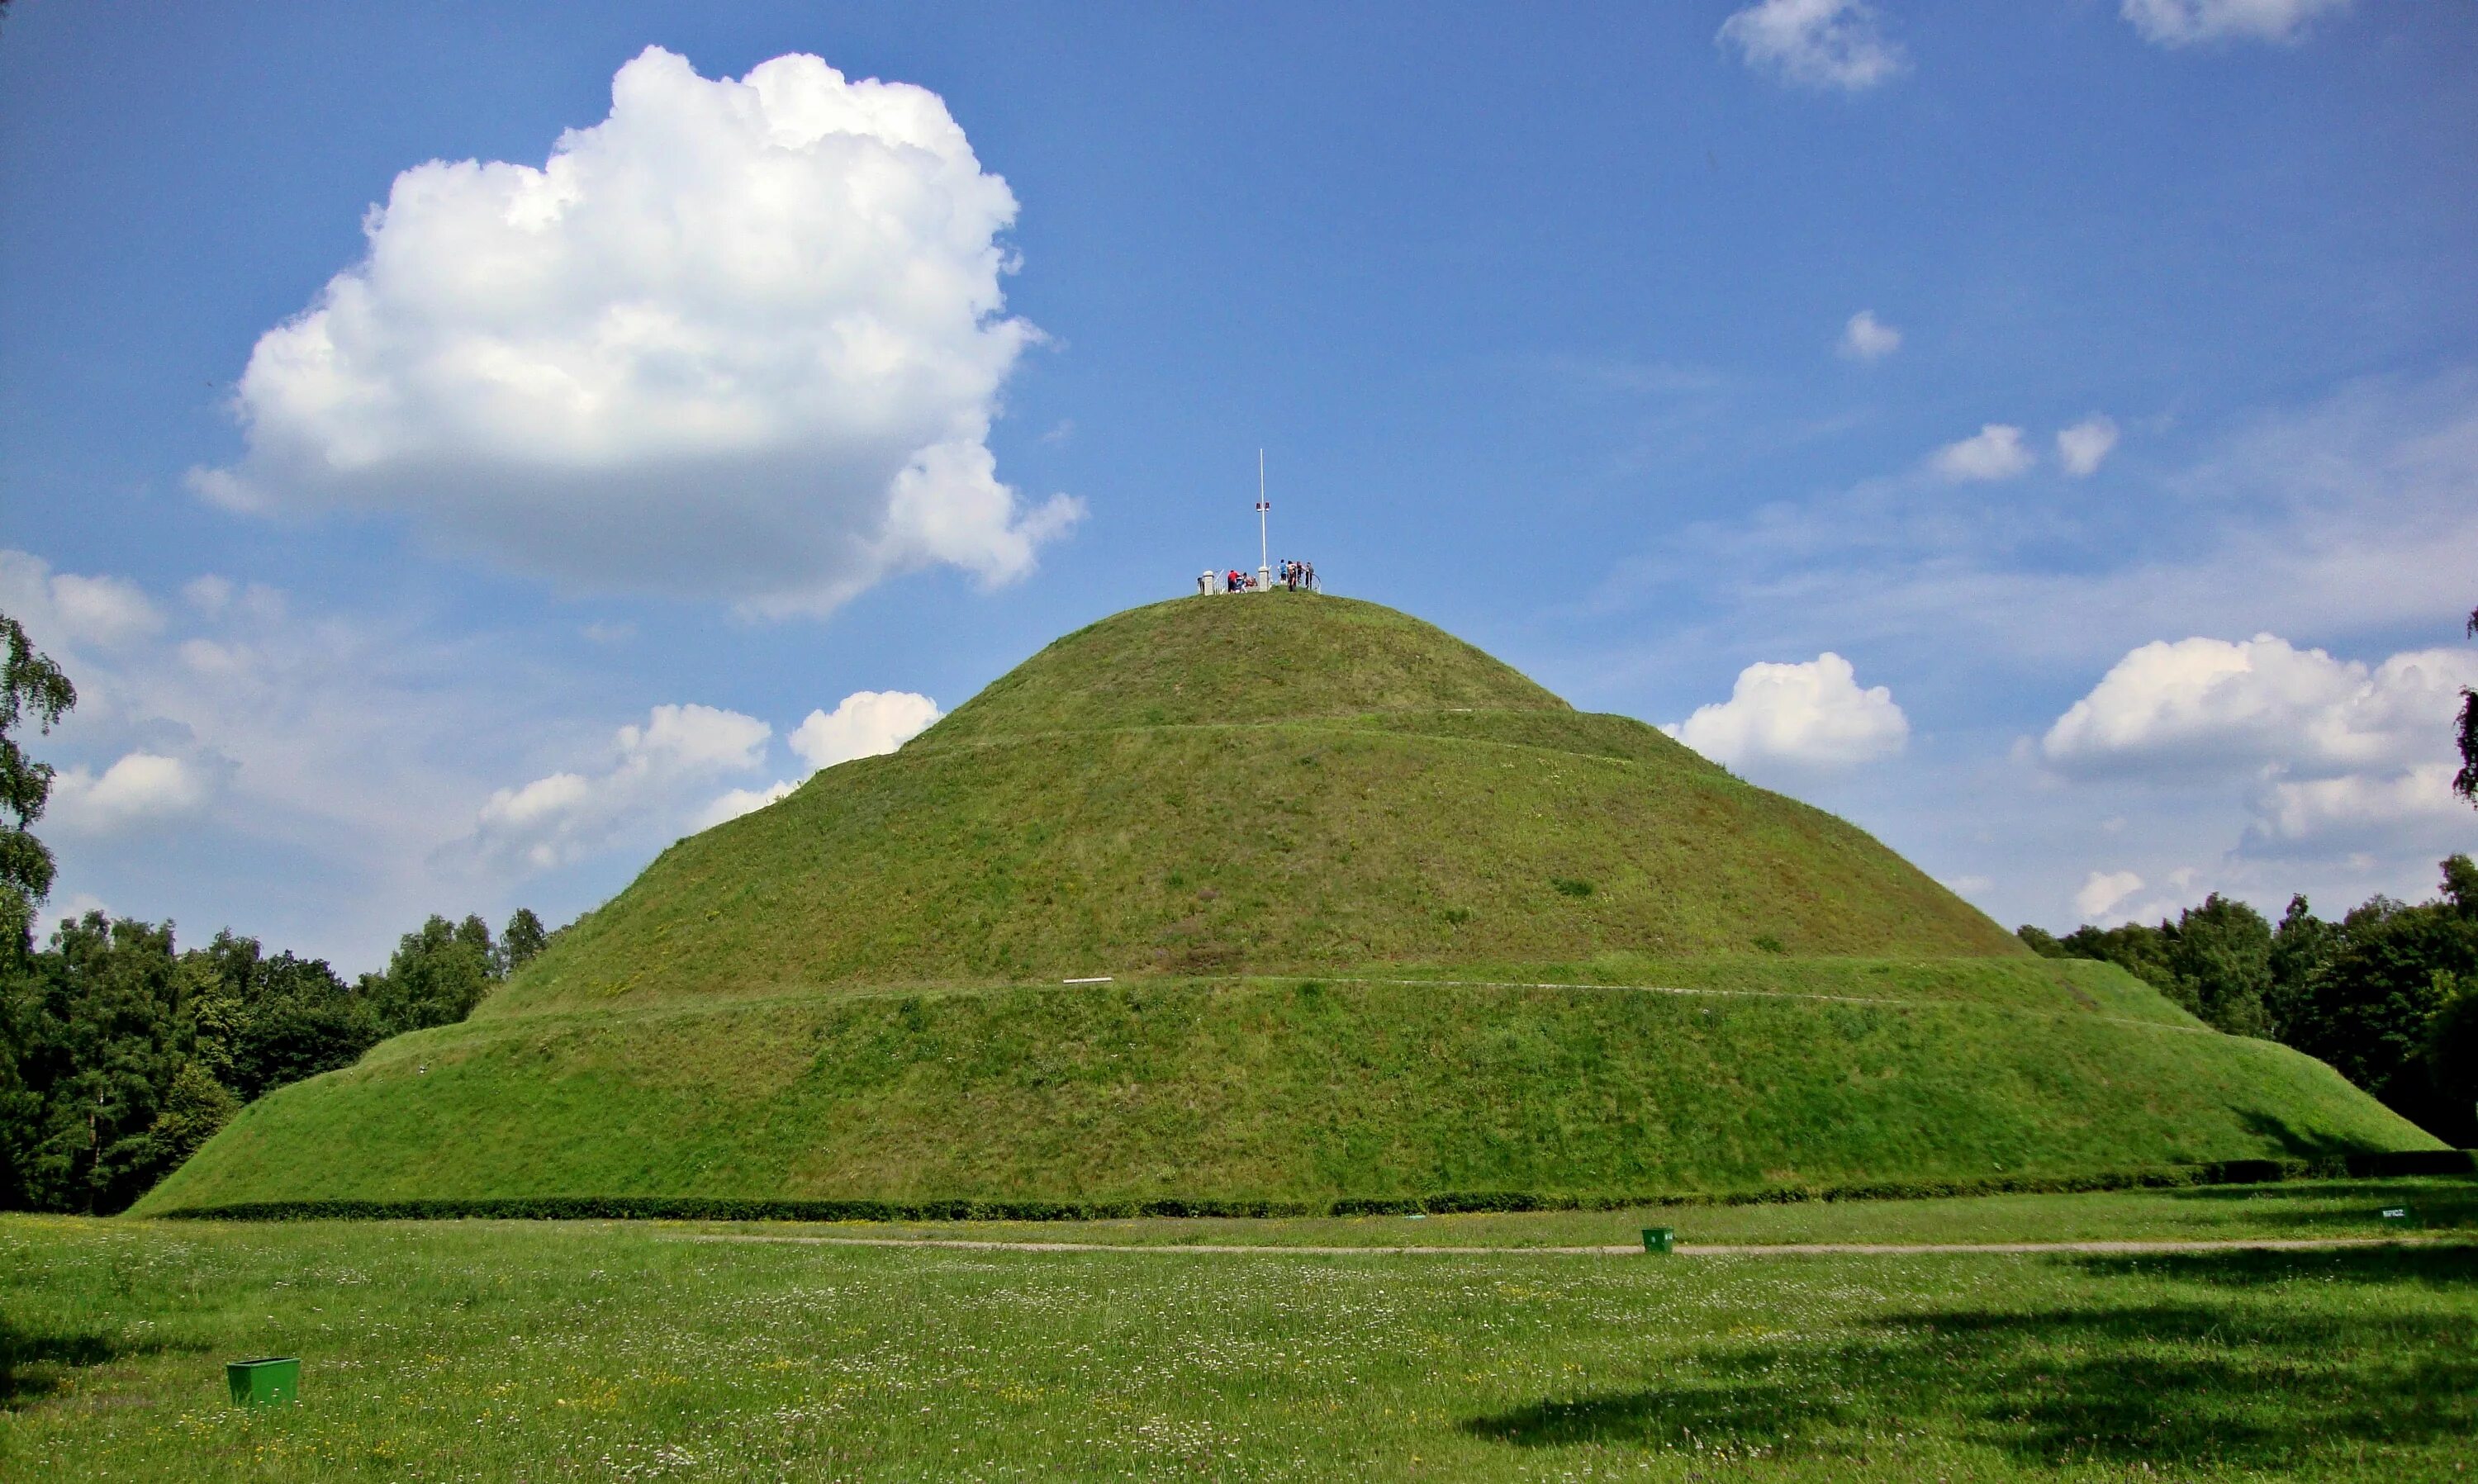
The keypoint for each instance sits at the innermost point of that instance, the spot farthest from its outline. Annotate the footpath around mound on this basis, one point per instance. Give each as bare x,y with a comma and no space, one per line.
1387,922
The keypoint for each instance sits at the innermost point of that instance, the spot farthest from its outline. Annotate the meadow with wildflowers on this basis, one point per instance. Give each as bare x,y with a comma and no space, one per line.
540,1351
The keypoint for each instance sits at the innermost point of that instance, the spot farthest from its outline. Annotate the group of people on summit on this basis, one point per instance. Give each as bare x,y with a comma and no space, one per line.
1297,576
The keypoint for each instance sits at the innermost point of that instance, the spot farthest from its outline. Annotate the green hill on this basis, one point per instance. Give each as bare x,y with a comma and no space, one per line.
1383,918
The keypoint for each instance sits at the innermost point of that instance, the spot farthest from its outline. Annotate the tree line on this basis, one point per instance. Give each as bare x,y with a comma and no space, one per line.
120,1053
2388,994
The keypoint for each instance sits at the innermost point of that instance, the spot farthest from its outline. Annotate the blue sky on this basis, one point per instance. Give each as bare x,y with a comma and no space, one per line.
2137,515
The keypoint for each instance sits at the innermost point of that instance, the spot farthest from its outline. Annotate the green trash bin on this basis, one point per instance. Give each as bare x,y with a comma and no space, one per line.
264,1383
1659,1239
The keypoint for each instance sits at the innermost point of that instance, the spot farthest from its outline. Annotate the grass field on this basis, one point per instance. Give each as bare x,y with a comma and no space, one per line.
2438,1206
483,1350
1298,1091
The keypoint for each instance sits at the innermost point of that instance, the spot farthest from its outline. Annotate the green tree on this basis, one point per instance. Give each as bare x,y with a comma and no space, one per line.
2451,1061
2300,946
194,1107
520,940
99,1018
2372,1006
2465,782
438,973
32,688
262,1021
2220,955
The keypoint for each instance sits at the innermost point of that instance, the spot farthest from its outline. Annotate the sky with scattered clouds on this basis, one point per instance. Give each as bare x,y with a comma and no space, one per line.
458,449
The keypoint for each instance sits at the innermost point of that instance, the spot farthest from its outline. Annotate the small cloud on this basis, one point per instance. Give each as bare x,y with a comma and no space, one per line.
740,801
615,632
2081,447
1966,886
2102,890
1866,338
1994,452
1815,43
564,817
695,737
1810,715
2216,705
1059,434
2186,23
61,610
140,788
2393,809
862,724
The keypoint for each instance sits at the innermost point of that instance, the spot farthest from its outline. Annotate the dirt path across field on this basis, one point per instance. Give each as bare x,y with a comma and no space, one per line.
1623,1250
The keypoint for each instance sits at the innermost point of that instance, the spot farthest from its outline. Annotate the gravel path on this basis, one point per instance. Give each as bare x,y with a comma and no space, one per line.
1623,1249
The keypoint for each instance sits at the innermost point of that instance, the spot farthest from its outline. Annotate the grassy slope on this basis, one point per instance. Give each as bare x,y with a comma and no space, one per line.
1130,800
1139,801
1262,847
482,1350
1284,1090
1272,657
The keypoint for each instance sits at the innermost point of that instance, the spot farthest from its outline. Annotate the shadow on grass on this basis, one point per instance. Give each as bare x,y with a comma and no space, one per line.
2356,1353
2296,1142
2449,1265
2435,1204
35,1365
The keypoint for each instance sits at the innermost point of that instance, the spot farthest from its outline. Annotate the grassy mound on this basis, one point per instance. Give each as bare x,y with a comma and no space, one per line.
1131,801
1386,920
1299,1091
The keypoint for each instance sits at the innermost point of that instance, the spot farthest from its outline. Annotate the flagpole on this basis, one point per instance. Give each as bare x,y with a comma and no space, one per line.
1264,552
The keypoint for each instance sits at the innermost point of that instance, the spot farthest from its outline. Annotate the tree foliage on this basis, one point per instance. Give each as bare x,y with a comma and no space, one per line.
2465,782
2388,994
32,689
120,1054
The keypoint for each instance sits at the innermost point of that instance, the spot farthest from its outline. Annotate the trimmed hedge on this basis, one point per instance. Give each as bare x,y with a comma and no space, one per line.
667,1208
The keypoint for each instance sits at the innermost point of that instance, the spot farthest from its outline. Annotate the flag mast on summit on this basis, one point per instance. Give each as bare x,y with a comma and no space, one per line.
1264,553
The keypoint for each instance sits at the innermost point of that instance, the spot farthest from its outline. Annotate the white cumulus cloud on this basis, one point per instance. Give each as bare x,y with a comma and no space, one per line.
862,724
140,788
2392,812
1811,714
2336,755
740,801
2211,702
1866,338
1815,43
563,816
740,339
2186,22
1994,452
61,610
2103,890
2082,447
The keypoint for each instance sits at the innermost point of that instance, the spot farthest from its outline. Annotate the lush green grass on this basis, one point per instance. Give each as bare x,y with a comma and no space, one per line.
489,1351
851,993
1285,1089
1263,846
2439,1205
1141,798
1275,657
